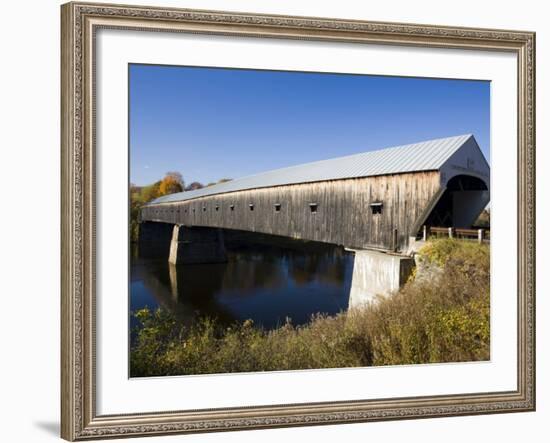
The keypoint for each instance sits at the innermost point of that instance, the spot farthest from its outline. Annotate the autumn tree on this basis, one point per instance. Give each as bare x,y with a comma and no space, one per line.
170,185
177,177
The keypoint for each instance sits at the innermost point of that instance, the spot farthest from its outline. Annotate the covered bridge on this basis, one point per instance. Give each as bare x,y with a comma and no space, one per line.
373,200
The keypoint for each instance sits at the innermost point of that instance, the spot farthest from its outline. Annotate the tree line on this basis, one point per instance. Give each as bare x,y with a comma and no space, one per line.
171,183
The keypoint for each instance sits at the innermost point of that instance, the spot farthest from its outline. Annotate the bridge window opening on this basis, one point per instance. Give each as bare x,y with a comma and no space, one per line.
313,207
232,207
193,210
376,208
217,208
277,207
204,209
251,206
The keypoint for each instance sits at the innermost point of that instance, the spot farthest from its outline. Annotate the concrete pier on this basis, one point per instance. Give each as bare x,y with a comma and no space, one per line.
193,245
377,273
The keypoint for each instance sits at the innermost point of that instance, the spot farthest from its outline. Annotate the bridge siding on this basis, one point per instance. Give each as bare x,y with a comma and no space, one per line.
343,213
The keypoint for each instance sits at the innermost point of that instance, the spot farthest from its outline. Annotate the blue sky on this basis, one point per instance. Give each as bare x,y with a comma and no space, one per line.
210,123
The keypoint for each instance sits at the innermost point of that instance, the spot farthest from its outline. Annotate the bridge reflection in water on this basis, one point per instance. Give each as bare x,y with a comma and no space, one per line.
263,281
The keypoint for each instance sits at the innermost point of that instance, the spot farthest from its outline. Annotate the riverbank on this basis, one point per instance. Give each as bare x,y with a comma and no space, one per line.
443,318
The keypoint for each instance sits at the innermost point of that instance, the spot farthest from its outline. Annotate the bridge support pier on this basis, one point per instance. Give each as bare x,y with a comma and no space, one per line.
193,245
377,273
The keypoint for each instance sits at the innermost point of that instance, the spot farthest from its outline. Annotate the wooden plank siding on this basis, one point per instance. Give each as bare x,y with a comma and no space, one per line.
343,215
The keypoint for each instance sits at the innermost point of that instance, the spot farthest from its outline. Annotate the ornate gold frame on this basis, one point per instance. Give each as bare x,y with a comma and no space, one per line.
79,420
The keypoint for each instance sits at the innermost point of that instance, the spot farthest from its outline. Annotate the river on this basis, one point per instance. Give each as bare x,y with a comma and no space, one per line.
266,283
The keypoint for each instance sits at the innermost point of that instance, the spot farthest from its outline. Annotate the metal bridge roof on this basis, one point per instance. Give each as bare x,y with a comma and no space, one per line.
424,156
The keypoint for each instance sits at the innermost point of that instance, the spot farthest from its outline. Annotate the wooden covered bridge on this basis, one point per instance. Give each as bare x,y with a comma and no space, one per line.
377,200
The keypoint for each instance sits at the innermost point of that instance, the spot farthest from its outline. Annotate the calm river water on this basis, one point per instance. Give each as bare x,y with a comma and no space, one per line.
259,282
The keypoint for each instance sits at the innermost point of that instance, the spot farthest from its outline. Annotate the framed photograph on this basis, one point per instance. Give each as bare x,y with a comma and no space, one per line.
283,221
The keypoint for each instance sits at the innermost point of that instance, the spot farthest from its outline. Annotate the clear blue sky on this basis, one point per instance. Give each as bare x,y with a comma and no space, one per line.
210,123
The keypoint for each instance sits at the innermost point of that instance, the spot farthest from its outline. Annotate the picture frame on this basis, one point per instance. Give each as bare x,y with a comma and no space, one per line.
80,24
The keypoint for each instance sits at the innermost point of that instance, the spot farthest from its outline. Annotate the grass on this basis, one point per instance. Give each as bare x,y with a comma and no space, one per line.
443,318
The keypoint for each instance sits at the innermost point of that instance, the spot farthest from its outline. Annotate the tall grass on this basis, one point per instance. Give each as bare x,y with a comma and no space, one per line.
436,317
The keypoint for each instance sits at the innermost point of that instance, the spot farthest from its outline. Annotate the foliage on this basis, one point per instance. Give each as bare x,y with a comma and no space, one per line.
427,321
171,183
194,186
197,185
175,175
466,255
441,320
221,180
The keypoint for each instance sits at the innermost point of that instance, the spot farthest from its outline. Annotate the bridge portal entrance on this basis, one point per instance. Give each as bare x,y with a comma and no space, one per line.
460,204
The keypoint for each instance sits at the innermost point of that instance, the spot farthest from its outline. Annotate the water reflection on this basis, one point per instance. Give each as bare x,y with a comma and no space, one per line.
265,283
